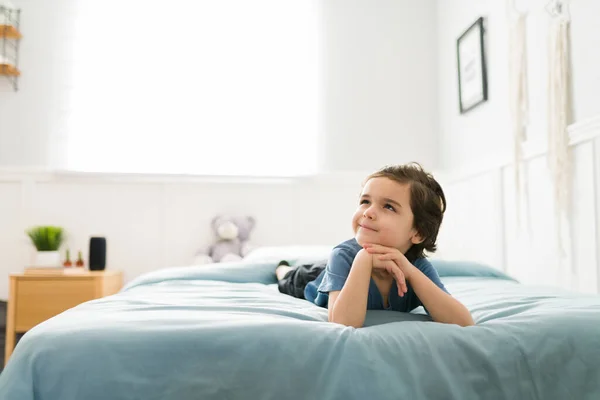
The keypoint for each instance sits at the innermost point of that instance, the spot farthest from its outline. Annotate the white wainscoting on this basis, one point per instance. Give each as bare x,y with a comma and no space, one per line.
483,223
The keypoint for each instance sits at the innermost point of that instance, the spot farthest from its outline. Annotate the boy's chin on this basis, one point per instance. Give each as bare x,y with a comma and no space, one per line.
362,240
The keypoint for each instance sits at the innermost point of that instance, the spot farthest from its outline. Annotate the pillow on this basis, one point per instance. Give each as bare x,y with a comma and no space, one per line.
301,254
292,254
233,272
448,268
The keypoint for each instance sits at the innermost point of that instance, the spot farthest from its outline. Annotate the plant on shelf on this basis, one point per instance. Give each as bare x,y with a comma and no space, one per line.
10,37
47,240
68,262
79,262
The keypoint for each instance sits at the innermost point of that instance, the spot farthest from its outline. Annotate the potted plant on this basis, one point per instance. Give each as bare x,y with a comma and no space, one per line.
68,262
47,240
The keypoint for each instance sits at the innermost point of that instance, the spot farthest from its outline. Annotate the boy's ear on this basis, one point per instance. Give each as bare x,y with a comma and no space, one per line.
417,238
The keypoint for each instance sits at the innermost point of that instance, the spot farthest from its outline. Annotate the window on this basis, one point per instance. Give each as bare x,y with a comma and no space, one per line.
228,87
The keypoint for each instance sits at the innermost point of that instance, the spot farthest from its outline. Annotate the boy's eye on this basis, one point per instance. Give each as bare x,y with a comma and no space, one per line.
364,201
390,207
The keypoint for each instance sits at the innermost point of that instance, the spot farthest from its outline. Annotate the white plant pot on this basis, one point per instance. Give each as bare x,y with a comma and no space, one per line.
46,259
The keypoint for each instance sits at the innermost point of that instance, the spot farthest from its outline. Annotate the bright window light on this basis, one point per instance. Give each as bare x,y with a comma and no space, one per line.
228,87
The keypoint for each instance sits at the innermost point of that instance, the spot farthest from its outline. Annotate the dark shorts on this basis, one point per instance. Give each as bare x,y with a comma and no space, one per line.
294,282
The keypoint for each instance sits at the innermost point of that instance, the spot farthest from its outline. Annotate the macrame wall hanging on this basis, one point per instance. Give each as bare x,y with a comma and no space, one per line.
558,118
557,113
518,99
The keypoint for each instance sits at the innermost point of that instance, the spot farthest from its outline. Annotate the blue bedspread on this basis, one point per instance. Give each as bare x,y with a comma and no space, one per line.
225,332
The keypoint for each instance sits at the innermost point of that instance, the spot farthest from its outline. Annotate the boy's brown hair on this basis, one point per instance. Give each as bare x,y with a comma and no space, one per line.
427,202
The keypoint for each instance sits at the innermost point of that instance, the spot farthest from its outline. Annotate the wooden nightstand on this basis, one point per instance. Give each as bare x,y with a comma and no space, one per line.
34,298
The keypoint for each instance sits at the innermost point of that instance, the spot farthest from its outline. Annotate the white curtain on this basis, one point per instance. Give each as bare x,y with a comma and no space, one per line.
228,87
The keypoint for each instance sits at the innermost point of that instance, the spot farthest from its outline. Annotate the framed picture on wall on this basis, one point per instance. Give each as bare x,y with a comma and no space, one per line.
472,72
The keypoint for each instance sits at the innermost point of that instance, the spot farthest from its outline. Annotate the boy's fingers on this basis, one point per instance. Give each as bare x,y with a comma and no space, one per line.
387,257
398,275
394,271
391,257
401,282
371,250
377,248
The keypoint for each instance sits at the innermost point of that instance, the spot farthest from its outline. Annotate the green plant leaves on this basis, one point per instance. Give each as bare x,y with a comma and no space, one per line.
46,238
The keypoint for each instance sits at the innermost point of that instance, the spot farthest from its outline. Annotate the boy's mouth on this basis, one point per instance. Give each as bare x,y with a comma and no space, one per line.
367,228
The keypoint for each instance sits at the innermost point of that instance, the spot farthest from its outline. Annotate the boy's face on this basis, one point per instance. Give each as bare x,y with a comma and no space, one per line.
384,215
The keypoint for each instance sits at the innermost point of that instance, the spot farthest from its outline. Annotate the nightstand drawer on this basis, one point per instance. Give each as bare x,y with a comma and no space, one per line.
40,299
36,297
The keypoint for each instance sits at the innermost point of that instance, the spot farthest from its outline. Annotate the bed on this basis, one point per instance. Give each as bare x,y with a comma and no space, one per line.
223,331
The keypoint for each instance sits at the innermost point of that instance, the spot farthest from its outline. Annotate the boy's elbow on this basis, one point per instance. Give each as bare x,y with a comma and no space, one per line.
466,320
348,323
463,319
345,321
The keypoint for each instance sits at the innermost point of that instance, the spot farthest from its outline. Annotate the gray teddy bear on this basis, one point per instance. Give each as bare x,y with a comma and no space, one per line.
233,234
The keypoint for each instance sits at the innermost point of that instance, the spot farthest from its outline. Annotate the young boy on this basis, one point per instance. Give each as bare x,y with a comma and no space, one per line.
384,266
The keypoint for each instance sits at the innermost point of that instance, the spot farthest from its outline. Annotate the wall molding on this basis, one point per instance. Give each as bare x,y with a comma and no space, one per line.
47,175
496,172
579,132
596,177
585,130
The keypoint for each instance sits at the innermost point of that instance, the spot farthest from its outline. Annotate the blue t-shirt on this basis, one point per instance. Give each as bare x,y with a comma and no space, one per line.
338,267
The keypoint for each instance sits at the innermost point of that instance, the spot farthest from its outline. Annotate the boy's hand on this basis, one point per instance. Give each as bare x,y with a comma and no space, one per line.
390,267
384,253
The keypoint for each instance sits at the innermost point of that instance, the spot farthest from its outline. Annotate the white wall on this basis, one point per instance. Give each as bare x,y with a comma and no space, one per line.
379,82
585,39
476,152
379,91
163,222
30,117
482,133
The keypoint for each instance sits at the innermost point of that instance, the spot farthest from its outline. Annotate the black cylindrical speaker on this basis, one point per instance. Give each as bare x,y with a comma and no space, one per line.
97,254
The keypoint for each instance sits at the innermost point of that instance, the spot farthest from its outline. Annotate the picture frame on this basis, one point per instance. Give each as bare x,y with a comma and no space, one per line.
471,66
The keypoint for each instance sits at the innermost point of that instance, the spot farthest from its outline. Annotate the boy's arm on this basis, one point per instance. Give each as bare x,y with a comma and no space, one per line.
441,306
349,306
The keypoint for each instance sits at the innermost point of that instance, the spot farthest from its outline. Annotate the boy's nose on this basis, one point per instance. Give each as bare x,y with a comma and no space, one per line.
369,213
